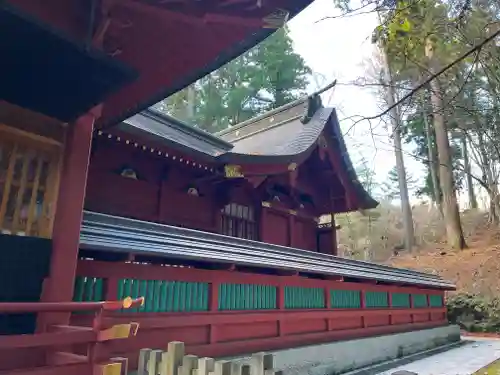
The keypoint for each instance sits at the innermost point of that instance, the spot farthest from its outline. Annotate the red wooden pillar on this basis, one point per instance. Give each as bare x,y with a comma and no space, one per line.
214,308
263,222
280,303
412,307
328,306
363,307
334,235
389,298
68,215
291,230
429,315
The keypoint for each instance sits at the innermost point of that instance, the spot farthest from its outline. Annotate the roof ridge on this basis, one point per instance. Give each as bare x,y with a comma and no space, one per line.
275,111
186,128
281,123
262,116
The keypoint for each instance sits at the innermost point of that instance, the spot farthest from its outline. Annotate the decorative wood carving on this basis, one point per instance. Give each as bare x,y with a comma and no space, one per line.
233,171
128,172
193,191
276,19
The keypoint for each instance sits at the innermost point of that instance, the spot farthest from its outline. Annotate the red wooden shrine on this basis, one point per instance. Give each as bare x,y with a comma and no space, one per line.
221,236
217,234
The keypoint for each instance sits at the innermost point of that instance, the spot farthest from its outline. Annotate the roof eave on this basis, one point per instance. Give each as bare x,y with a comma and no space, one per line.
364,199
186,128
223,58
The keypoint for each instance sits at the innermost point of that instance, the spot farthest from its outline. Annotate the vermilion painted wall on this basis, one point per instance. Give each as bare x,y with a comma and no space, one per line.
218,332
160,195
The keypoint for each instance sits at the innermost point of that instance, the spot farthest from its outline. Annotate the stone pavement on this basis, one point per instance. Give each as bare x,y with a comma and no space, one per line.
463,360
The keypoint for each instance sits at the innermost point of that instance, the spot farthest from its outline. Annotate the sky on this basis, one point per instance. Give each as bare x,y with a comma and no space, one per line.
340,48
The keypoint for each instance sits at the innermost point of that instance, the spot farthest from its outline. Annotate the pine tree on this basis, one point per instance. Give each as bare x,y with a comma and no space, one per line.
267,76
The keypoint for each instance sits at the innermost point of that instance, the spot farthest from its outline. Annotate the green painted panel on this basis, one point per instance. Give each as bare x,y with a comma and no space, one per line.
143,288
436,300
247,297
88,289
304,298
376,299
419,300
165,296
79,289
135,293
150,295
400,300
345,299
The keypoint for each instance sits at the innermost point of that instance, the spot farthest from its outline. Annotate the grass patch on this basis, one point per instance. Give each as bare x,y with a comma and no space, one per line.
491,369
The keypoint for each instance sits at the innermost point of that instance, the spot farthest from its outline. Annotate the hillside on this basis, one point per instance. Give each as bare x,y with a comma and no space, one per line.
474,270
376,235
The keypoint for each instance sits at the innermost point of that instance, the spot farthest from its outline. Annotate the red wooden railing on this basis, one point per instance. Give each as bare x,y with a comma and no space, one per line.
50,349
218,333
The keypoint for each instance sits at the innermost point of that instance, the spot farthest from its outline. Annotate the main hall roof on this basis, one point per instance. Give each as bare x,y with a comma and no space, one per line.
281,136
66,56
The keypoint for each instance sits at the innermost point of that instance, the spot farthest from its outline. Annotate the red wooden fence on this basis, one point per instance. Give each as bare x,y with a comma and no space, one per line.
49,350
222,329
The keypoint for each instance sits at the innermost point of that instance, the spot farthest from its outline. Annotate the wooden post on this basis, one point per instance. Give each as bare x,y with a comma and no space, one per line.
189,363
328,305
291,229
280,303
68,215
175,362
262,223
175,354
205,366
389,299
153,367
429,318
412,306
333,234
214,308
144,355
222,368
363,307
261,362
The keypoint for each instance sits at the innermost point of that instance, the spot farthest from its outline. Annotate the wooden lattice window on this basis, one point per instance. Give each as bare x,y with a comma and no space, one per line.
28,185
239,221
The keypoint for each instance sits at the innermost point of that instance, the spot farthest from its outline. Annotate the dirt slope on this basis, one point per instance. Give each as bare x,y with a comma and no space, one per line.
474,270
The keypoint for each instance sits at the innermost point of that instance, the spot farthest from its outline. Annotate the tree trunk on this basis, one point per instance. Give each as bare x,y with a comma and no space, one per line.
494,209
468,176
431,154
398,151
454,231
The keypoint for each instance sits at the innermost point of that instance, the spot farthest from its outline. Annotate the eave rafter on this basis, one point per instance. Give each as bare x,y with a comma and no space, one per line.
105,28
218,12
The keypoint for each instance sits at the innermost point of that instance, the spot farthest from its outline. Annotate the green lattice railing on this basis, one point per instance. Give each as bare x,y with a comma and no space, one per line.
345,299
376,299
247,297
166,296
435,301
419,300
88,289
401,300
304,298
181,296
